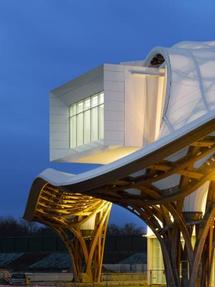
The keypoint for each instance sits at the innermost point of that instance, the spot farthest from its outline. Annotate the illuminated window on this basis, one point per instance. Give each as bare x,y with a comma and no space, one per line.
86,120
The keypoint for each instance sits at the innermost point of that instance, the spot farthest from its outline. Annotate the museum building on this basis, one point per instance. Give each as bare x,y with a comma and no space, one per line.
151,126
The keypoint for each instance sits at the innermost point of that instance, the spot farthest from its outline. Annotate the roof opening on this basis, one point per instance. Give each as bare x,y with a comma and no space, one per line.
157,60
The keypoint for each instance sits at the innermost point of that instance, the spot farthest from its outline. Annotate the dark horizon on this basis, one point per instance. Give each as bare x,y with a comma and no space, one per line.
47,43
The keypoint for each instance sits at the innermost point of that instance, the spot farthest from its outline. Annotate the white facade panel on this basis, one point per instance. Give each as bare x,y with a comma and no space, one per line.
58,127
115,135
134,109
114,96
59,153
114,115
84,92
114,106
113,75
118,126
114,86
155,266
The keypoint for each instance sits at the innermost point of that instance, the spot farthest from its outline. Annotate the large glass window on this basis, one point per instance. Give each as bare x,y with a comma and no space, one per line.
86,120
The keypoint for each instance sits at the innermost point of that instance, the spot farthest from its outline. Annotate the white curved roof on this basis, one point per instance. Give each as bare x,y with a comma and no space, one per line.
189,103
190,83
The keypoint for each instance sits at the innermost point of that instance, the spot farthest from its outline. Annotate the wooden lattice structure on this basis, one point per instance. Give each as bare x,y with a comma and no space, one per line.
133,186
81,222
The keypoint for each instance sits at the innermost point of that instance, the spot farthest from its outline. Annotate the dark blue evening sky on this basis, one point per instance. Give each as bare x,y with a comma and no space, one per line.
44,43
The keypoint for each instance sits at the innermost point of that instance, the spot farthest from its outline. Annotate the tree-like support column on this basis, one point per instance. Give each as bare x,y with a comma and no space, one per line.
81,222
171,188
183,216
187,258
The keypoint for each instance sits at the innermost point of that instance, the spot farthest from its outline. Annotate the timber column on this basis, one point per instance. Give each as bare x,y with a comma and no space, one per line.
81,222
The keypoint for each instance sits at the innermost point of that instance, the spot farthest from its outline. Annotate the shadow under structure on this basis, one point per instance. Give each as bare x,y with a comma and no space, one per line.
168,182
